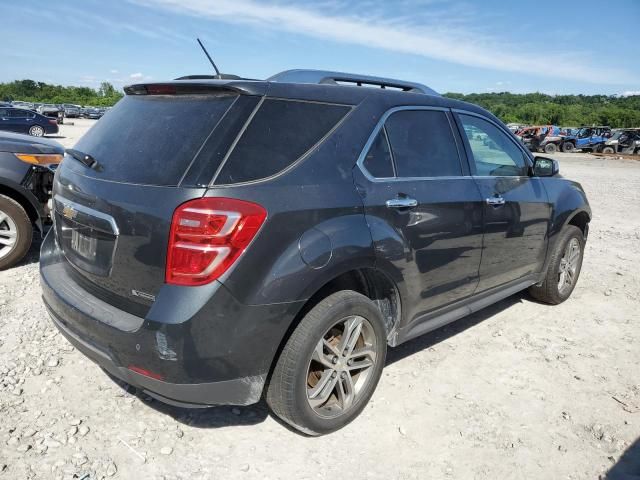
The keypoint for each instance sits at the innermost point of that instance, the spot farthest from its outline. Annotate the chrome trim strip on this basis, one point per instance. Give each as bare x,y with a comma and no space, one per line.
88,211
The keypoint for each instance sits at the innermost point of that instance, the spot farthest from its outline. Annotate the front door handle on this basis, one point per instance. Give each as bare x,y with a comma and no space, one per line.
402,202
495,201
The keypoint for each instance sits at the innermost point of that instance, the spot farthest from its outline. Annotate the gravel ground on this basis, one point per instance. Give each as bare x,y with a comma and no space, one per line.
518,390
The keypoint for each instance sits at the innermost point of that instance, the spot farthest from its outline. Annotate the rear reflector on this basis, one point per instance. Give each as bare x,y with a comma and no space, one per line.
145,372
207,236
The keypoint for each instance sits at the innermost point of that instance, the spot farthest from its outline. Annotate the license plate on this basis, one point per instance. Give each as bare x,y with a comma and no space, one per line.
84,245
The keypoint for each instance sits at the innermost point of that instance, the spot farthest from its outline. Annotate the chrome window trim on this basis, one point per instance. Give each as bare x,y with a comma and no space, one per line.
380,125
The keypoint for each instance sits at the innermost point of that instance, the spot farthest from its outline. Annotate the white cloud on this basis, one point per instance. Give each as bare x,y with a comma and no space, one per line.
113,71
453,42
136,76
630,93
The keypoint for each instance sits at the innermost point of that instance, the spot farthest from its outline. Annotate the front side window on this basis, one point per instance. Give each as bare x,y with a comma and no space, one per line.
422,144
494,153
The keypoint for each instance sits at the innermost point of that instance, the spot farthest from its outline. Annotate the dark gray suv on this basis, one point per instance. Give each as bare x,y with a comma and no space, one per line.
217,240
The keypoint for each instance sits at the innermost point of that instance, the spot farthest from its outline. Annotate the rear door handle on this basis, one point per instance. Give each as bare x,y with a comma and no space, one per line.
495,201
402,202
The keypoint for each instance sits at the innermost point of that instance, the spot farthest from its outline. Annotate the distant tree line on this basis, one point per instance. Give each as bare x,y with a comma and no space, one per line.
530,108
562,110
31,91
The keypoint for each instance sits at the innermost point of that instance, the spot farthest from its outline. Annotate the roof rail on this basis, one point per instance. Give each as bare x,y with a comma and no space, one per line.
337,78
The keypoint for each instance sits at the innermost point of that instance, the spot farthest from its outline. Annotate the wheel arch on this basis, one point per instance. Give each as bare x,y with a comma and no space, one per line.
24,198
367,280
580,219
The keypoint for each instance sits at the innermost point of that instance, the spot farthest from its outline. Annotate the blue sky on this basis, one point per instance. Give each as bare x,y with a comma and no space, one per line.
459,46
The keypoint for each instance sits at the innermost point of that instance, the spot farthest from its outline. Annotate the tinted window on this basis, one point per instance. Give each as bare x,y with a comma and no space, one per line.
152,139
423,144
280,133
20,113
378,158
494,153
4,112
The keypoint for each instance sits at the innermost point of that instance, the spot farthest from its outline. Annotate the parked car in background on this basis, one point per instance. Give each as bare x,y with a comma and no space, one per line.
585,138
625,141
535,137
310,223
21,120
71,111
49,110
26,178
94,113
25,105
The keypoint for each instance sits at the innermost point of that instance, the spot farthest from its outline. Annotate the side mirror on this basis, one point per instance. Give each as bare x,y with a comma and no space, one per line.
545,167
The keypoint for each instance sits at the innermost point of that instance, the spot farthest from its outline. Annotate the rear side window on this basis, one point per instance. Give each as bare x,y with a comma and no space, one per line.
152,139
422,144
280,133
378,159
20,113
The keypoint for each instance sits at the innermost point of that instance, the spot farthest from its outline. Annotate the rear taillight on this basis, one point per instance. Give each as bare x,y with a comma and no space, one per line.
207,236
53,122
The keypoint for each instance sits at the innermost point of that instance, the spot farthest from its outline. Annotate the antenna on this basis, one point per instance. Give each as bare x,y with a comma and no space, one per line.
209,57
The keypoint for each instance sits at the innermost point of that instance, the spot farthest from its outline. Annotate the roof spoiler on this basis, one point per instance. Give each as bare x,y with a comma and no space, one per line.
338,78
222,76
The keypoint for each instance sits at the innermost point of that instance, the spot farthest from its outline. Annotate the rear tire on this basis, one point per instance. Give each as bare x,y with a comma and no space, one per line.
36,131
608,150
310,385
16,232
550,148
564,268
568,147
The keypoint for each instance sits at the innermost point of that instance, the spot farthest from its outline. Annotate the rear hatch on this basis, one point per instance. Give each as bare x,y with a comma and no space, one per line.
157,148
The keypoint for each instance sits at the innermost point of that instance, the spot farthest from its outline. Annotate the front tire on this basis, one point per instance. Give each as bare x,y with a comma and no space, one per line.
36,131
16,232
608,150
331,364
564,268
568,147
550,148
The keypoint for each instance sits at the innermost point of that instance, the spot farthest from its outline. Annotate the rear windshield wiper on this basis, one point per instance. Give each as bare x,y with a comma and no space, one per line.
83,158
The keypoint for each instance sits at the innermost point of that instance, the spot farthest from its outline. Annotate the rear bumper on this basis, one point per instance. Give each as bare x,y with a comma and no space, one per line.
241,391
202,346
51,128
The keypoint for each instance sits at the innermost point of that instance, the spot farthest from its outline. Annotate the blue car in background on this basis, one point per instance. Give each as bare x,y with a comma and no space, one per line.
586,138
21,120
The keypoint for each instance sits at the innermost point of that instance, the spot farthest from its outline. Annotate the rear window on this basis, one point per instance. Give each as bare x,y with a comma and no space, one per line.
152,139
280,133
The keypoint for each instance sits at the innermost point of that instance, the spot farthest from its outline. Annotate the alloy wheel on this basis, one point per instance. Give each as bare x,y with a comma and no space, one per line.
8,234
341,366
36,131
569,265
